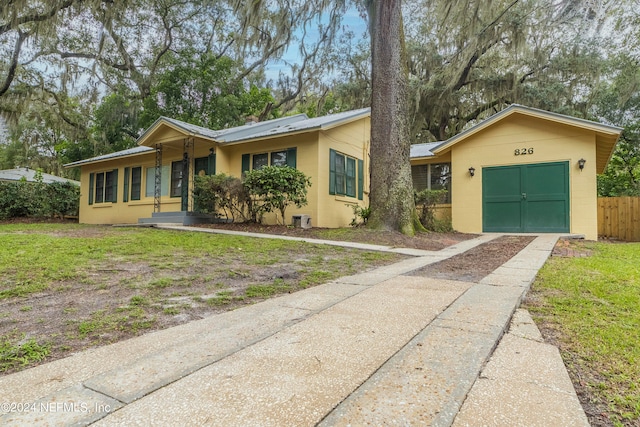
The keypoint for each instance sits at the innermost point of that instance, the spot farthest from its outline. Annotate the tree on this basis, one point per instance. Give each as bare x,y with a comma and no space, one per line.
391,194
618,102
204,90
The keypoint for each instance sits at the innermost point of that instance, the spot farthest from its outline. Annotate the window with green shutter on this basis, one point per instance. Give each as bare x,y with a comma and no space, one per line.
346,175
106,187
205,165
351,177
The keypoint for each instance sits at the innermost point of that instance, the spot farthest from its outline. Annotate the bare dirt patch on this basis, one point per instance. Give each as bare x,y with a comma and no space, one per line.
426,241
476,263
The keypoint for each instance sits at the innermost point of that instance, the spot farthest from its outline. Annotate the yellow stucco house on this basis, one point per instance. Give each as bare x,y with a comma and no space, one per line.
521,170
152,182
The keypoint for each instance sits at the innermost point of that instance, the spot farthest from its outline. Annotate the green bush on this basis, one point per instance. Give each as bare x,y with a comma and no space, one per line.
274,188
220,193
39,200
64,199
268,189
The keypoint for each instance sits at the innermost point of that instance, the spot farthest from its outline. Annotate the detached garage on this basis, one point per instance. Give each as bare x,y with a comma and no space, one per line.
522,170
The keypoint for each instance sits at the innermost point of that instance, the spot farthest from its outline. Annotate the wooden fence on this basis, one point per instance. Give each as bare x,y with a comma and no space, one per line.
619,218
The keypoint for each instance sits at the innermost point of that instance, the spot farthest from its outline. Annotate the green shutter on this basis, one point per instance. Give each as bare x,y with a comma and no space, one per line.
351,177
212,164
246,163
91,184
291,158
125,193
136,183
115,187
332,172
360,179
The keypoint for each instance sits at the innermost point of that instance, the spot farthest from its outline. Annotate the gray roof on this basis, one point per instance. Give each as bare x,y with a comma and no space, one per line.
30,175
238,134
423,150
124,153
300,123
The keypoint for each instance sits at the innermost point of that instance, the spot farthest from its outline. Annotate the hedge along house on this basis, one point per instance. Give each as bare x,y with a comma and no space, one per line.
520,170
155,178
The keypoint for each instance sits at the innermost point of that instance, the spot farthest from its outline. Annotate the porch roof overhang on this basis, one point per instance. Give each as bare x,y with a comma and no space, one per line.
135,151
606,136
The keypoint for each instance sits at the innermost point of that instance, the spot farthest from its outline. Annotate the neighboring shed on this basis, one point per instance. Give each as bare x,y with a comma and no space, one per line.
30,176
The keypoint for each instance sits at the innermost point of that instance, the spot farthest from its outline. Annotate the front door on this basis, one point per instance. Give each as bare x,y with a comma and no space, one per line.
526,198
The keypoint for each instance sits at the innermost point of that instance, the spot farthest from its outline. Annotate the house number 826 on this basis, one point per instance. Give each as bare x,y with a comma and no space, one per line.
522,151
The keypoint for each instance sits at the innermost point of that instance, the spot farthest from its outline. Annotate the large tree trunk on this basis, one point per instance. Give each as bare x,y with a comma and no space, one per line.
392,204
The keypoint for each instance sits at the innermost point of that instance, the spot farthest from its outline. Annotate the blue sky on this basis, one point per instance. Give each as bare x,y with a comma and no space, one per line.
351,21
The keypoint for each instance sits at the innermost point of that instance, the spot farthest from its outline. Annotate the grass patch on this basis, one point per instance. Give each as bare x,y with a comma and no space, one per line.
592,305
20,354
163,282
265,291
315,278
126,319
222,298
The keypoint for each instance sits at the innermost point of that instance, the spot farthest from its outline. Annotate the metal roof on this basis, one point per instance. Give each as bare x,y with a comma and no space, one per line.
124,153
423,150
301,124
30,175
276,127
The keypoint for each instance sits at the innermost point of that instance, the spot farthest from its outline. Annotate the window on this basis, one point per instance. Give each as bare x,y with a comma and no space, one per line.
346,175
103,187
132,183
286,157
260,160
176,178
205,165
150,182
279,158
435,176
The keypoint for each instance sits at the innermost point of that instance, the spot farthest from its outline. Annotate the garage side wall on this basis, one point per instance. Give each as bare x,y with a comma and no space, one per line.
543,141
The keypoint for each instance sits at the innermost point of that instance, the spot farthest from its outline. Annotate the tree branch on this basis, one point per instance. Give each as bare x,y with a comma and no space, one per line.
36,17
11,73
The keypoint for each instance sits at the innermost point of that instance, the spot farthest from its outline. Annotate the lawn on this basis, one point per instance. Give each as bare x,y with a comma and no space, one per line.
589,306
68,287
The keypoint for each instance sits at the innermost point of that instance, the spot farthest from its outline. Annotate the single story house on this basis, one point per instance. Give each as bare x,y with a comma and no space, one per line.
29,175
154,179
520,170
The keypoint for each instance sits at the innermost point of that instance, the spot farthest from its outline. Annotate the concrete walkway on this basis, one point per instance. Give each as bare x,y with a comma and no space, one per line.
377,348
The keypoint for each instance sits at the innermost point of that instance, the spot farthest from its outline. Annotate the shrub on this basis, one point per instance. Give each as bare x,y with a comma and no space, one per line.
274,188
215,193
360,215
64,199
426,200
36,199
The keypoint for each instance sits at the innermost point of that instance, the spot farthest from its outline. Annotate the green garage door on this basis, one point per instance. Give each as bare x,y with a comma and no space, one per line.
526,198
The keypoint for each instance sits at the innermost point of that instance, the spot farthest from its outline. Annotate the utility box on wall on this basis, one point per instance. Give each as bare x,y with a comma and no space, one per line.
301,221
